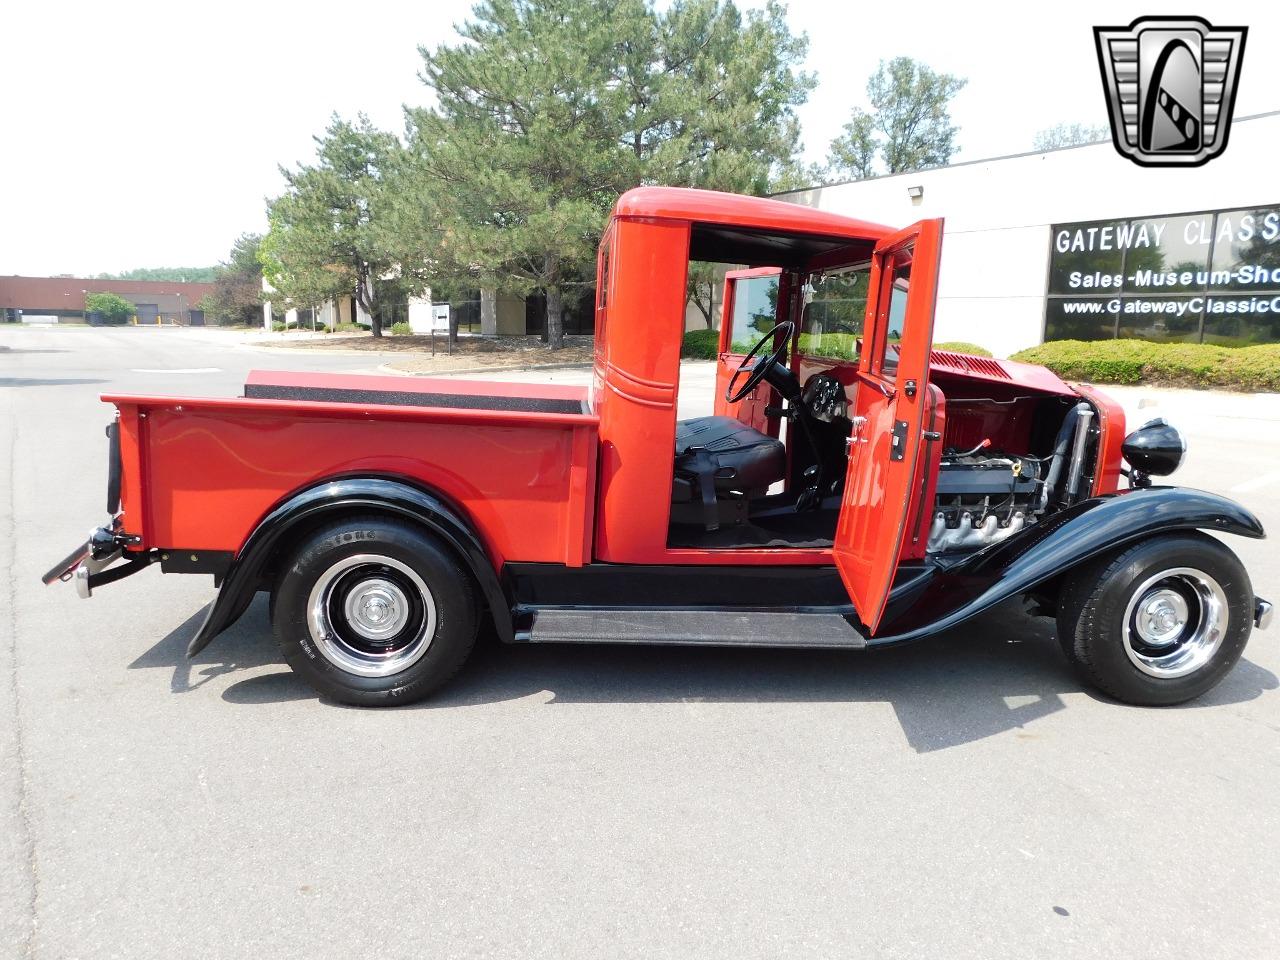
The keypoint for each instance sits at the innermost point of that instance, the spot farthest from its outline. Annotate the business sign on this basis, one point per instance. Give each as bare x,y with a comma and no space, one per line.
1210,277
440,317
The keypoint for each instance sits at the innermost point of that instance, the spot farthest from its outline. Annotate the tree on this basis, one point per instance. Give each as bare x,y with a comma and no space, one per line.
709,100
701,290
237,294
111,307
853,153
1069,135
321,242
705,283
548,109
909,126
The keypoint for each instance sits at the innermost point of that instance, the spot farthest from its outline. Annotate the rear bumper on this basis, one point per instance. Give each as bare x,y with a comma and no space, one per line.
65,568
87,564
1262,612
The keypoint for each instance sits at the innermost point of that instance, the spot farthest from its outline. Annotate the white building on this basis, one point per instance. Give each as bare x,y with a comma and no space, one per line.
499,314
1033,240
328,314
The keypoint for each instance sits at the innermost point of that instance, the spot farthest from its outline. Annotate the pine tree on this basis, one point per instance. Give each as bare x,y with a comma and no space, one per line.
549,109
322,243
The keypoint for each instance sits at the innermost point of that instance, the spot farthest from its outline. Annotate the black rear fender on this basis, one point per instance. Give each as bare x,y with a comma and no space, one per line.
304,511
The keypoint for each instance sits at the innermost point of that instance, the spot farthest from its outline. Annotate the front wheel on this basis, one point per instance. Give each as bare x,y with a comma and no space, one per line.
1159,623
373,612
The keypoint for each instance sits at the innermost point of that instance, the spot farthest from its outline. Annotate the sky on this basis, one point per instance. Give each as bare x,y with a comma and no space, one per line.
143,134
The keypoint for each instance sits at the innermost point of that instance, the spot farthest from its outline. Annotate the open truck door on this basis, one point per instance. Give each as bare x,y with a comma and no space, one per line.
893,380
754,301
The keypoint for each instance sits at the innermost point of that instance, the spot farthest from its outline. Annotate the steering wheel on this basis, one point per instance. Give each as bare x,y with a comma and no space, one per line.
763,365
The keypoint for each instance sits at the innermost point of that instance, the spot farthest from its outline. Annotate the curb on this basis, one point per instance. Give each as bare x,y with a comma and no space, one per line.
389,368
334,351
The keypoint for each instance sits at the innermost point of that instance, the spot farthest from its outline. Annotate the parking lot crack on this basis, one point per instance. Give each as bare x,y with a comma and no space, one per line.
24,840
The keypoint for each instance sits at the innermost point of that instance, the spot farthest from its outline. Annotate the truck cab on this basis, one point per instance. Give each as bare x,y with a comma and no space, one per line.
829,434
852,487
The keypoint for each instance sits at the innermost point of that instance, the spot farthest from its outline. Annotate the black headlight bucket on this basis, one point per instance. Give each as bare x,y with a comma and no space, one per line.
1155,448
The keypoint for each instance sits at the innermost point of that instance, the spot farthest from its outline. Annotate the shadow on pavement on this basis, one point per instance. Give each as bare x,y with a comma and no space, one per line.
248,644
1000,672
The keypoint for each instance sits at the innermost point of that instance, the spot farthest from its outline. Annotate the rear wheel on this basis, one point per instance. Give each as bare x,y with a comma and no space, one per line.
1159,623
373,612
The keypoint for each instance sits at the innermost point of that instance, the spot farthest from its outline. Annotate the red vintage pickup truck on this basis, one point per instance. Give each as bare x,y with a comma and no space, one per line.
854,488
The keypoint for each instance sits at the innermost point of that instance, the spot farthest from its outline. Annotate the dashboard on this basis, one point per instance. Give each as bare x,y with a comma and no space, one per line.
824,397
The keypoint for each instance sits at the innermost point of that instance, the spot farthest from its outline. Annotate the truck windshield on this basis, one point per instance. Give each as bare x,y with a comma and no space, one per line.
834,310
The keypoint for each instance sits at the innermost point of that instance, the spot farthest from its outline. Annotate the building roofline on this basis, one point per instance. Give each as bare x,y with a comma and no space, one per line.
157,283
969,163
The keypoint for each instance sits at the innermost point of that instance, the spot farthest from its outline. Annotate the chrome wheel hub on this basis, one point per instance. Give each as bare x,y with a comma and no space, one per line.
371,615
1174,622
376,609
1162,616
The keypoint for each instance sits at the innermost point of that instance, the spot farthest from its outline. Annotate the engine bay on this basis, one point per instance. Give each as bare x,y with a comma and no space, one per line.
1007,458
986,492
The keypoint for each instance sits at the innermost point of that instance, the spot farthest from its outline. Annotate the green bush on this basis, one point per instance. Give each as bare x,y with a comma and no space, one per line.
109,308
1207,365
962,346
279,326
701,345
401,329
838,346
705,345
348,328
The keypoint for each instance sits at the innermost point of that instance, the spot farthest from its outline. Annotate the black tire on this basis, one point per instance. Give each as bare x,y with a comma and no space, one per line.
1141,624
373,612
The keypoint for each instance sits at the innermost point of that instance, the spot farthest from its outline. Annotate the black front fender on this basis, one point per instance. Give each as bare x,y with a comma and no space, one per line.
333,499
959,590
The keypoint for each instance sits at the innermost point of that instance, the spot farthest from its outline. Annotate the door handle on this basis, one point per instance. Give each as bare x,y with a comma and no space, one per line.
855,433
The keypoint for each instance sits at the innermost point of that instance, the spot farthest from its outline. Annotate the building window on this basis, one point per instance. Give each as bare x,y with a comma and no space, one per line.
1209,277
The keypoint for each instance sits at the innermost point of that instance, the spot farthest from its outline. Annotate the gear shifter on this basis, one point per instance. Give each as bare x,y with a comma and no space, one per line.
811,496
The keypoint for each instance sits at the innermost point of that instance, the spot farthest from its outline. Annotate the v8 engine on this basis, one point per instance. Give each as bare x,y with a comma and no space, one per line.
982,499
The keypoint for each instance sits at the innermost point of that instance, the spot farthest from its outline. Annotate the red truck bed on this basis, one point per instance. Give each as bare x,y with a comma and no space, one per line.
517,458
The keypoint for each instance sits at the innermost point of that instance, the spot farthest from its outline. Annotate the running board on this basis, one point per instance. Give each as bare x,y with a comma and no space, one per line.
715,628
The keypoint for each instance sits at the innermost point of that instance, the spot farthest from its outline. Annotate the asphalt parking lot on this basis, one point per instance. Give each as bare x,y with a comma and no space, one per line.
964,797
